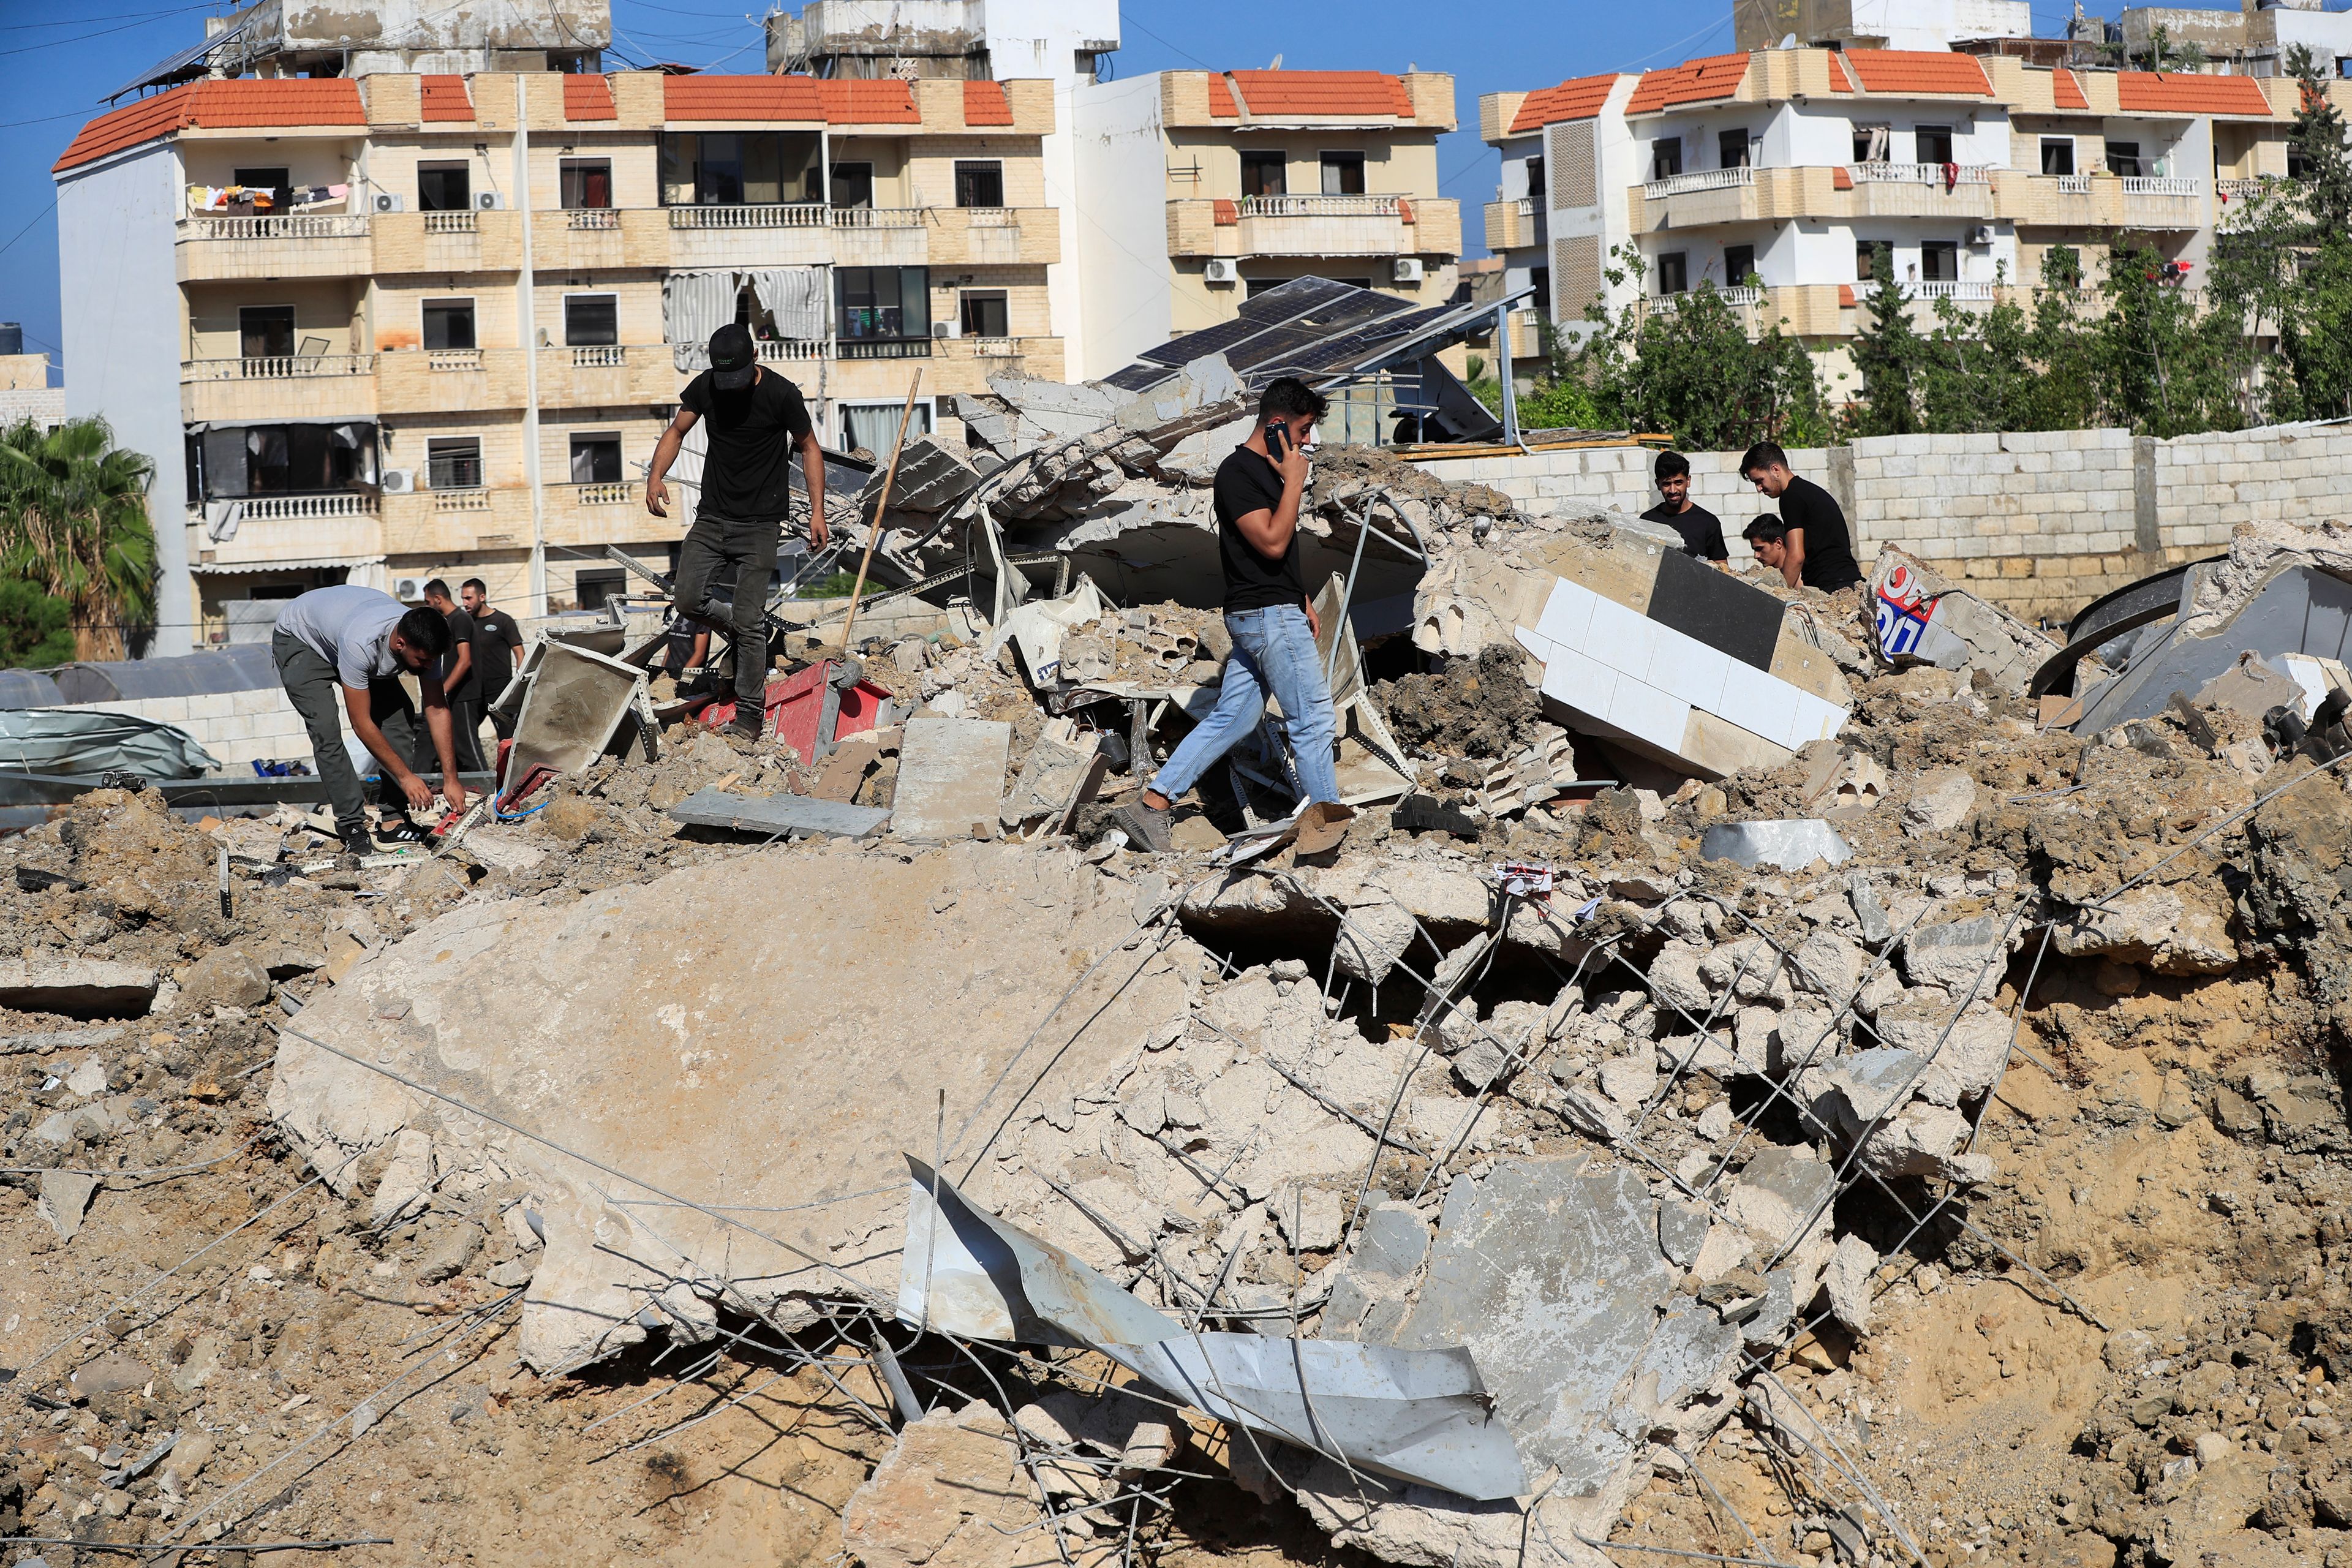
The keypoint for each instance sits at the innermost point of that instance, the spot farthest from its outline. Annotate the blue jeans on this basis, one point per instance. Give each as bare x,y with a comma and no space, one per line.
1273,649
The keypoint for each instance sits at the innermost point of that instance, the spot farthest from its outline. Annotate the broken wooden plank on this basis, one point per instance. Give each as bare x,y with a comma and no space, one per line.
777,813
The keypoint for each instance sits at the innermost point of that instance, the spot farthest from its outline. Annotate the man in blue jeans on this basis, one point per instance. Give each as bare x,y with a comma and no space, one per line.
1259,490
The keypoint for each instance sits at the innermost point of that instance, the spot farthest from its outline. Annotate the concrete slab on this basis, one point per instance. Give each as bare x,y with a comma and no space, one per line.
950,777
771,816
78,988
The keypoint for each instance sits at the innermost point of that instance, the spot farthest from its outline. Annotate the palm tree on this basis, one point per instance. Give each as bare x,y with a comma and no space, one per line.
73,520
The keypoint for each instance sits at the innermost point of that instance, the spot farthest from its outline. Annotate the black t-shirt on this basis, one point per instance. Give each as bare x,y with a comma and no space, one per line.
1702,531
1829,548
752,435
1247,483
496,636
461,635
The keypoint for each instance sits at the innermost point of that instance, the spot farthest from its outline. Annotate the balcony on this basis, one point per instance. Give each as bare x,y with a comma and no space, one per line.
795,234
450,242
445,526
298,244
964,365
695,357
2247,188
1803,310
599,239
995,236
881,237
1919,190
1315,227
1815,193
1513,225
1699,180
277,386
449,380
275,530
2104,201
610,375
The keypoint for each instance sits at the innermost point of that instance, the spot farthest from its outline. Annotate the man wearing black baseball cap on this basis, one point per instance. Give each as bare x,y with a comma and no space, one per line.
756,419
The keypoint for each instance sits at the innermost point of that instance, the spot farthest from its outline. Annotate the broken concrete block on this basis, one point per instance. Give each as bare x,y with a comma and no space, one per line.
224,977
1924,1139
2171,928
1869,913
1308,1217
1782,1197
1971,1048
1674,976
1923,617
1055,780
1940,801
1630,1081
950,778
113,1372
87,1076
78,987
775,816
950,1495
1959,955
1847,1279
64,1198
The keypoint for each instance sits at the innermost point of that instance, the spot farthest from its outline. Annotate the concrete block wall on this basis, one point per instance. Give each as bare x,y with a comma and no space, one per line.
239,728
2039,521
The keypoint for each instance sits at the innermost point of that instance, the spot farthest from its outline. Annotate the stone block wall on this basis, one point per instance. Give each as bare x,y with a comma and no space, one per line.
238,727
2039,521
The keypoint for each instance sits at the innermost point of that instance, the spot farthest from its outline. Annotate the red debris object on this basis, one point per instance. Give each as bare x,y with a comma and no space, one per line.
795,707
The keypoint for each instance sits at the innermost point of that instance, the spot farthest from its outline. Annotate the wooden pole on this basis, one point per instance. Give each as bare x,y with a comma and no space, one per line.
874,527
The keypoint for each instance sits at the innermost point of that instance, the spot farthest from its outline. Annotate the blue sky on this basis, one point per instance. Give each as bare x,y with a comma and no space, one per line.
55,66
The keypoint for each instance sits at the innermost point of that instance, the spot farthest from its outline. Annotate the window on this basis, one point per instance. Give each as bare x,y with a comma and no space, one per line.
1666,157
980,183
587,183
1939,261
595,587
590,320
738,168
853,186
2122,158
449,324
1865,260
1536,180
1343,173
985,314
1674,273
1935,143
884,301
273,180
1738,265
1265,175
1871,143
1731,148
454,463
266,331
2058,155
597,460
2298,166
1539,279
229,461
443,187
872,426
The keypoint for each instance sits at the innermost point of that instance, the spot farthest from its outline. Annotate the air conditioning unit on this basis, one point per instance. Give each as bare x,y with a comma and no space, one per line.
1981,234
1408,270
489,201
408,590
387,202
944,329
398,481
1221,269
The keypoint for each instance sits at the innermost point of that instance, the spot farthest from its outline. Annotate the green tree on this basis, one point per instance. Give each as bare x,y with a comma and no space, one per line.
1888,354
2063,393
2315,149
73,521
2165,368
33,629
1977,369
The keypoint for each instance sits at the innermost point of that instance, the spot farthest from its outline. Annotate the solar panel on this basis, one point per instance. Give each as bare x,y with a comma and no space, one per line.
1303,300
1139,377
1311,327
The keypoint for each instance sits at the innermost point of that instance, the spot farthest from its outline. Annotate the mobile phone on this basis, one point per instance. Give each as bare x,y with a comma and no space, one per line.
1278,441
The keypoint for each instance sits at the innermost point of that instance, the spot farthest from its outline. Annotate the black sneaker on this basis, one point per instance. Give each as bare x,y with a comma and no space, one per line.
747,725
1149,828
360,843
395,833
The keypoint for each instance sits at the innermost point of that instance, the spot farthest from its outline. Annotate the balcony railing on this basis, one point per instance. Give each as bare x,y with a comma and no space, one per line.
451,223
991,217
593,217
1933,290
791,215
2162,185
2074,184
775,350
303,509
1527,206
603,494
885,348
997,348
291,225
602,356
274,367
461,501
1917,174
453,359
878,217
1320,206
1743,295
2243,189
1699,180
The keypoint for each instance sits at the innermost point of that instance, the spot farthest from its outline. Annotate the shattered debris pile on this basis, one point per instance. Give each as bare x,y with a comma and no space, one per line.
1652,1128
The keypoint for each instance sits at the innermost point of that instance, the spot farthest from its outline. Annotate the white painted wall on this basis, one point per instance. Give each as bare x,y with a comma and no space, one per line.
1126,299
119,294
1933,25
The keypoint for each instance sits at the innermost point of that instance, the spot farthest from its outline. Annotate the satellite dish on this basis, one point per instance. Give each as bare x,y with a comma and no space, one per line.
1276,65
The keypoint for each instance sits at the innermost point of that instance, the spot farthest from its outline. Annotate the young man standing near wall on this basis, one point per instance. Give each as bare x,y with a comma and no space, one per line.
1259,490
1702,531
460,676
757,419
496,640
1814,549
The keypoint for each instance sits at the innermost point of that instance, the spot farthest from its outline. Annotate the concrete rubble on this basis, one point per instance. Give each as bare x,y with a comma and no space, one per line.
1728,1130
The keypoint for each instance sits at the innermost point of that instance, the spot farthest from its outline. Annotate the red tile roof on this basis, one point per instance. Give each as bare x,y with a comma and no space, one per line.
1224,213
1221,98
2146,92
1696,81
443,98
222,105
1845,297
1906,73
984,103
1839,81
1840,178
1578,99
588,98
2066,90
752,98
1356,94
885,103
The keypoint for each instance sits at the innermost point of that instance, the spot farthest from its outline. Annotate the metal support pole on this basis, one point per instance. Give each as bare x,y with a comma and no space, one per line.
1507,374
527,334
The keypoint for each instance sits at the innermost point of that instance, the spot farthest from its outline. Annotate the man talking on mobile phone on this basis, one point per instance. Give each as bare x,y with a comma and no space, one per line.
1259,490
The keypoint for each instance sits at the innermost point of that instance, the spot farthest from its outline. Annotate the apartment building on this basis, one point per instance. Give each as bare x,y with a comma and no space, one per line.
1776,175
1199,188
385,328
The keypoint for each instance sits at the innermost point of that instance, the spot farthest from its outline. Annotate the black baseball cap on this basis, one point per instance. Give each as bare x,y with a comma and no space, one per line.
734,360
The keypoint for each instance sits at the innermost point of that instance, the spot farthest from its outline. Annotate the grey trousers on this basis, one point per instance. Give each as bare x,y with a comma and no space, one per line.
316,694
751,545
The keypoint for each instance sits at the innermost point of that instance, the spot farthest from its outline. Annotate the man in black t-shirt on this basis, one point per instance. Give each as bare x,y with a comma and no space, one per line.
496,640
1702,531
1816,551
754,421
1259,491
459,678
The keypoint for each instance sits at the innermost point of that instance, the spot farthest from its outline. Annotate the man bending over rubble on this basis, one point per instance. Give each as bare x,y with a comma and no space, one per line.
1258,494
757,419
1809,546
355,642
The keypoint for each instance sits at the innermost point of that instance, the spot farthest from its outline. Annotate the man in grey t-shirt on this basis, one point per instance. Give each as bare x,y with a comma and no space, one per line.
355,643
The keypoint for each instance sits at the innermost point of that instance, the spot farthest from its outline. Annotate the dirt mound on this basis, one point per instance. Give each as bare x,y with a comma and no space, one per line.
1480,707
